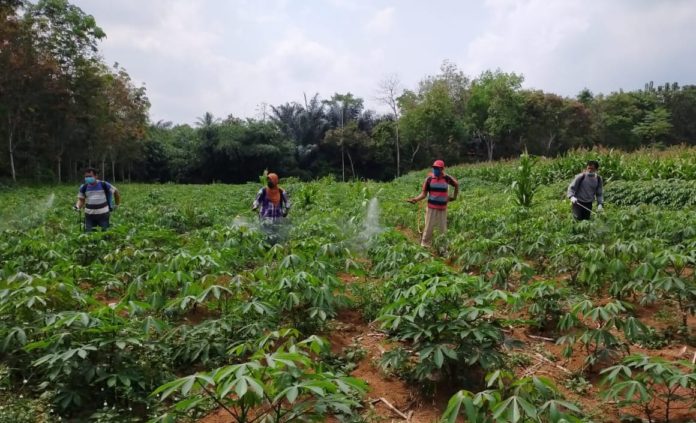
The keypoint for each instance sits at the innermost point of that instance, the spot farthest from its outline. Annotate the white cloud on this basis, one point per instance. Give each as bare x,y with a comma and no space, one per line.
382,21
564,46
229,56
526,36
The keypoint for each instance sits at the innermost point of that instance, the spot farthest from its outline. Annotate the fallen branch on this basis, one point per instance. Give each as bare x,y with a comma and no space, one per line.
394,409
552,363
533,369
542,338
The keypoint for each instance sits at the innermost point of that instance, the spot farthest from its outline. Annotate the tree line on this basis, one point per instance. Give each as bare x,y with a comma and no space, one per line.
63,108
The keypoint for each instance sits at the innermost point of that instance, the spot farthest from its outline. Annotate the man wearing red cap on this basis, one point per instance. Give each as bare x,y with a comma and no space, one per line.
436,190
272,200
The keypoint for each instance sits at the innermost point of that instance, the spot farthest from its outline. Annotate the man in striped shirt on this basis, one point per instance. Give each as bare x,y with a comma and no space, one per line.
96,198
436,190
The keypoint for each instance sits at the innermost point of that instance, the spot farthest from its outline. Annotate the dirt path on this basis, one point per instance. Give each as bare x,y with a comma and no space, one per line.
355,332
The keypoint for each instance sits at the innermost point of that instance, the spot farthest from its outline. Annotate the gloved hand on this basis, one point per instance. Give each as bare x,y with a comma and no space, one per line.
573,200
600,208
285,213
75,208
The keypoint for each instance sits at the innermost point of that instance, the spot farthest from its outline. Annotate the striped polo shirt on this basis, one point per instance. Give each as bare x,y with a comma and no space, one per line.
95,198
436,188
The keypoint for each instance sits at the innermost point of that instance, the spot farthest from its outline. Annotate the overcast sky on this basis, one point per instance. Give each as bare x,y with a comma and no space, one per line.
226,56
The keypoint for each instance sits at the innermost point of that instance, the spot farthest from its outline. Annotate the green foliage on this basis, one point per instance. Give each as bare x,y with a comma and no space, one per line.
600,343
524,185
578,384
545,303
184,283
448,322
668,193
21,410
283,385
657,386
512,399
109,317
368,297
655,126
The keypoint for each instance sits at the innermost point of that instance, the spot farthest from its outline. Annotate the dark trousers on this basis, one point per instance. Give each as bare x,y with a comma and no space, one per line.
580,213
93,220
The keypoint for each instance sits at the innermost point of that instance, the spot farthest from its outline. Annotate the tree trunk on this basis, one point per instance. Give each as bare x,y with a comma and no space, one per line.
103,167
60,174
490,145
343,160
352,168
113,170
413,156
11,148
398,153
343,163
549,143
12,166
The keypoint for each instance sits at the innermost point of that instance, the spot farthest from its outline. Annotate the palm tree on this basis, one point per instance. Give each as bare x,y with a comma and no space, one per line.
343,108
207,124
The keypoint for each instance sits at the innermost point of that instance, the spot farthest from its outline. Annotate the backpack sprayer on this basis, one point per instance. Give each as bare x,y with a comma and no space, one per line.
589,210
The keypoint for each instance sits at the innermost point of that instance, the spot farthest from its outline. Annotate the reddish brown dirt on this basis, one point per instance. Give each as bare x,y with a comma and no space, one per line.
662,315
347,278
217,416
558,368
410,234
199,314
104,299
352,330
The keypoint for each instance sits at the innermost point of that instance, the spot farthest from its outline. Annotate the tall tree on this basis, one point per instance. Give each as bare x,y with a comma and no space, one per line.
388,94
342,109
654,127
494,108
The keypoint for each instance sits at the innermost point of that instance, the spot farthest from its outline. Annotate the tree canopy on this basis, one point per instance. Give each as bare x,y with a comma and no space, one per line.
62,108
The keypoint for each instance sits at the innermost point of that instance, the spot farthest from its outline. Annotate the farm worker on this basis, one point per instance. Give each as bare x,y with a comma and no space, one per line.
97,198
273,201
436,189
584,189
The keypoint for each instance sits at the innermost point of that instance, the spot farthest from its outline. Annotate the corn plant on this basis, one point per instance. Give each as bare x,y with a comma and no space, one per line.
525,183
